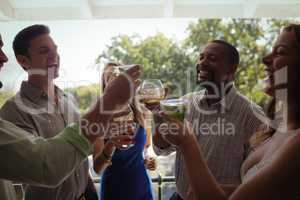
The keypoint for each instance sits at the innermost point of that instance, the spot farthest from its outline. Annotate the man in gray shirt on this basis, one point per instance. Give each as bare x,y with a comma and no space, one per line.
41,108
222,118
38,161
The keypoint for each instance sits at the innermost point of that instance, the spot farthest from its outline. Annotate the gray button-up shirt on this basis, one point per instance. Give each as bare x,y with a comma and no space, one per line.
222,131
32,110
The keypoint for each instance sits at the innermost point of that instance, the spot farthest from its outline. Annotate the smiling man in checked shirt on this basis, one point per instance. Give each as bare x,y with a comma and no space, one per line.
222,118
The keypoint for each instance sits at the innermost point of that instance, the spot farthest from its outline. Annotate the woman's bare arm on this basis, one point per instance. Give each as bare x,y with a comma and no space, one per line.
102,154
279,180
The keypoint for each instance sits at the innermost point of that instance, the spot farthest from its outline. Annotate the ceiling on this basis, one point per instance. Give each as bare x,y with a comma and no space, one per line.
15,10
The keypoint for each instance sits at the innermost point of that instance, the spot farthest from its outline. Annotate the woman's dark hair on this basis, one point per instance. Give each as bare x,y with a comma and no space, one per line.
266,130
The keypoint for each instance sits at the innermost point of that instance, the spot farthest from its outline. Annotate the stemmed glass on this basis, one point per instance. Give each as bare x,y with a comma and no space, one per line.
126,121
151,92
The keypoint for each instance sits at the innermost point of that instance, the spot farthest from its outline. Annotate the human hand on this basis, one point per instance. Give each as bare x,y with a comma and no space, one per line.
150,163
172,130
118,93
158,138
124,112
121,89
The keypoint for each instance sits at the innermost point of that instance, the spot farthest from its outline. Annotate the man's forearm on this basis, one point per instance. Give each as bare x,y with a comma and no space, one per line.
40,161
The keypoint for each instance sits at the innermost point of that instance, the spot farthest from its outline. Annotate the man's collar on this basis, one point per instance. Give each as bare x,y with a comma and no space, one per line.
35,94
226,102
229,98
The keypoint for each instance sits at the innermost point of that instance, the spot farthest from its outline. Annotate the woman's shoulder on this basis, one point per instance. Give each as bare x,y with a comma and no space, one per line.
290,149
293,140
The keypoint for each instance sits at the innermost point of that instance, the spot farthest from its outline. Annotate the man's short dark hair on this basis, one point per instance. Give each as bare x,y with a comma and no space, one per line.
234,56
22,40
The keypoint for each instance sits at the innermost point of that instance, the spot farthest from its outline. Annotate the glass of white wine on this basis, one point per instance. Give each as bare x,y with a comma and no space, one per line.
151,92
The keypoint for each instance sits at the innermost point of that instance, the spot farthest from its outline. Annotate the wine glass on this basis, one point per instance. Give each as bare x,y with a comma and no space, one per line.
126,121
151,92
